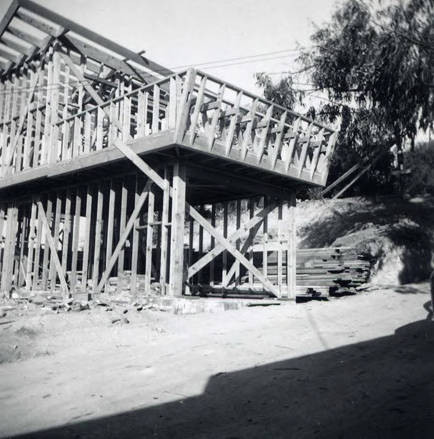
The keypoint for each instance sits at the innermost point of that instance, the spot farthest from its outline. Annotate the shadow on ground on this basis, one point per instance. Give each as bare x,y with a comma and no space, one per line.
383,388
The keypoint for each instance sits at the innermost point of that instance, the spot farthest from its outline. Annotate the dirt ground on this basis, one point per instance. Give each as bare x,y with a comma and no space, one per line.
353,367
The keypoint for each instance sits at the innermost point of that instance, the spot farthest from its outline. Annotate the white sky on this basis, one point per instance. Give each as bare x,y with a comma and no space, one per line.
183,32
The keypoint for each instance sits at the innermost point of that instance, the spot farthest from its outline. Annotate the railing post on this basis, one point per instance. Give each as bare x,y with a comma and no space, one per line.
184,105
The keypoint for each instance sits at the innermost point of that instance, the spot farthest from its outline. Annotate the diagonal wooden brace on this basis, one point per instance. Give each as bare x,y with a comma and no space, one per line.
213,253
138,207
159,181
22,119
53,249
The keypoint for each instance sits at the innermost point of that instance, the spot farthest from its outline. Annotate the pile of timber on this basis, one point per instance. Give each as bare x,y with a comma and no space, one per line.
330,268
339,267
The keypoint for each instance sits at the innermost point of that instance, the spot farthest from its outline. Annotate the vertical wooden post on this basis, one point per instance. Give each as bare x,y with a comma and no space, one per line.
122,221
176,276
9,249
37,249
251,213
225,234
238,243
56,239
75,240
30,245
135,248
164,232
149,238
98,232
110,223
292,249
66,231
46,260
85,267
279,251
265,240
212,245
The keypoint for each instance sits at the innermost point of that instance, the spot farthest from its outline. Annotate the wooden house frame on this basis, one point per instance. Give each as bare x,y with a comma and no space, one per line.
113,166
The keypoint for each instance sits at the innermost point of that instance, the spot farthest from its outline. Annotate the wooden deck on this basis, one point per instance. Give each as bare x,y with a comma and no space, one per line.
216,119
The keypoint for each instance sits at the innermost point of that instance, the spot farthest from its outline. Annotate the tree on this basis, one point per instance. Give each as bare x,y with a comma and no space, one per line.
376,64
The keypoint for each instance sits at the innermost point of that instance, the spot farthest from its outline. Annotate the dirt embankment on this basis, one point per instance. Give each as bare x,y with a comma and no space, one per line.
398,234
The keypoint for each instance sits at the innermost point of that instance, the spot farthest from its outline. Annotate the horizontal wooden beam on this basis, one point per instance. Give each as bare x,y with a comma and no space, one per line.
93,36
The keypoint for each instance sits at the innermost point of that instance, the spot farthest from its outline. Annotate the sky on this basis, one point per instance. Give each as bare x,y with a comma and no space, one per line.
192,32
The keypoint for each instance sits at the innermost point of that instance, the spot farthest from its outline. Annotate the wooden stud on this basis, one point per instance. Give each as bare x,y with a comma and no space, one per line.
50,241
66,230
176,274
75,239
88,222
135,247
149,238
122,221
97,238
123,237
58,211
164,232
110,223
45,261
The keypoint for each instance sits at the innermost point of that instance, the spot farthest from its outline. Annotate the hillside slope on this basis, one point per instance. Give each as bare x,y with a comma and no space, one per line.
398,234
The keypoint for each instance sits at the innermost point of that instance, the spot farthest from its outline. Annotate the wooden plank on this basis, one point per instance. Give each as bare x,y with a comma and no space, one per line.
184,105
149,239
52,245
173,103
54,107
279,251
233,123
31,244
200,249
316,153
216,116
122,222
164,232
66,230
196,111
141,112
110,222
75,239
225,235
176,273
98,234
212,245
86,241
292,143
58,211
156,110
303,154
45,261
135,247
37,249
264,133
123,237
247,136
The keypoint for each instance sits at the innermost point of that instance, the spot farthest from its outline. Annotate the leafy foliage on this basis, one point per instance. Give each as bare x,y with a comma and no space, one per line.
377,66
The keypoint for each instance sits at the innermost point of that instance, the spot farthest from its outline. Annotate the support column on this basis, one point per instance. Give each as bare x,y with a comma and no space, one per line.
292,249
176,276
9,249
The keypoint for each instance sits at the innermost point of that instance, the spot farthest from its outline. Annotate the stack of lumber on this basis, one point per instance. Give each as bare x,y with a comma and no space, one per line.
332,267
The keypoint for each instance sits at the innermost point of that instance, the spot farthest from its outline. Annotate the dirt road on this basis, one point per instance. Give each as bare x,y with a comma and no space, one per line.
356,367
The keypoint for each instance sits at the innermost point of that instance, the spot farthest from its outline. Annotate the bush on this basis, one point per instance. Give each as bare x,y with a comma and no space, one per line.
421,164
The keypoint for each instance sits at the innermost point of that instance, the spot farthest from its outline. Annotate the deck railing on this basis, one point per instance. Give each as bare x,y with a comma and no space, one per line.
203,112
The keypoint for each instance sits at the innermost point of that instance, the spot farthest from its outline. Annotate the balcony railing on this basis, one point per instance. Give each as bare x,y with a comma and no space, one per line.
199,110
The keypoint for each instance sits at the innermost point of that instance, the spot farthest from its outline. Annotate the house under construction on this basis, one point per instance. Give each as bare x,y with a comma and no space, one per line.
114,167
